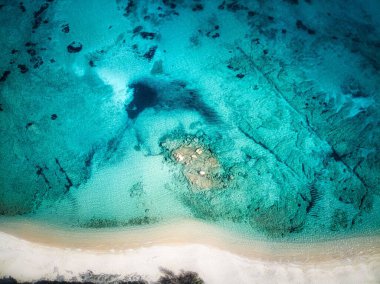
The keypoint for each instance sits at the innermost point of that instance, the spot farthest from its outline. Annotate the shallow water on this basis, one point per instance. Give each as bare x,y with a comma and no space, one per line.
260,118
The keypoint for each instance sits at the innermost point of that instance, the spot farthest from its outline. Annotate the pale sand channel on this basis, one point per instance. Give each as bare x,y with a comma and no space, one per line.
31,251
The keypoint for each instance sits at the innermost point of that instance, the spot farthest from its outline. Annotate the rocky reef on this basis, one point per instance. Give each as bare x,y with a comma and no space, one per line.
200,166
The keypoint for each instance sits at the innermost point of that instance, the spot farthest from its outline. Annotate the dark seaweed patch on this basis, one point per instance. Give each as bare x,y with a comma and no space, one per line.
148,35
197,7
41,10
170,3
90,157
301,26
69,182
251,14
22,7
216,35
65,28
40,173
36,61
5,75
29,43
234,6
129,8
97,223
23,68
335,156
31,51
137,29
150,53
38,15
294,2
315,197
74,47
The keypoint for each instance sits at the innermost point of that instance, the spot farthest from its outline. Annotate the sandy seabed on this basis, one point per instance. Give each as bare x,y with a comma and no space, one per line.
32,251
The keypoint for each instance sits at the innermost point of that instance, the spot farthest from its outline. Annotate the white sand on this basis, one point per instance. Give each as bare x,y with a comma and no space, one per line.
222,258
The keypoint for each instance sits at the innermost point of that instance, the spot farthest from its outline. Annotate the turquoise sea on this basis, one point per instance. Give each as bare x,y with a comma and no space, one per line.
259,117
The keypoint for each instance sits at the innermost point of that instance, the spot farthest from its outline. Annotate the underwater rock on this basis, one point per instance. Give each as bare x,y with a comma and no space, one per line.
74,47
200,165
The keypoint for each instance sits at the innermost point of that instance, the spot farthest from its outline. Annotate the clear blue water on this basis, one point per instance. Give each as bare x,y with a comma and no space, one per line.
259,116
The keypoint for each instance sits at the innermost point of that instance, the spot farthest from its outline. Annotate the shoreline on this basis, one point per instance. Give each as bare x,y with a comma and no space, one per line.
188,231
218,256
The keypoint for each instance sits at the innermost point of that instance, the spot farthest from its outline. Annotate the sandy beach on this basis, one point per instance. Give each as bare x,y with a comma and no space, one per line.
216,255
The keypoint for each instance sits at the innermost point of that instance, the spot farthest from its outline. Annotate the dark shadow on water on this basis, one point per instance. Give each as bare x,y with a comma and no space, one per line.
166,97
144,96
